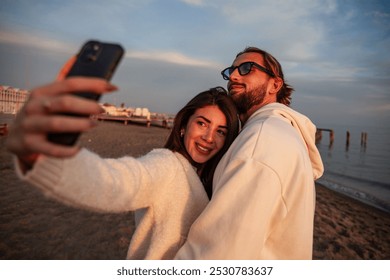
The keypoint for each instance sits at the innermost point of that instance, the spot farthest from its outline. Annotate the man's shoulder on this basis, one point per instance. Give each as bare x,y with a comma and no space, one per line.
266,125
262,134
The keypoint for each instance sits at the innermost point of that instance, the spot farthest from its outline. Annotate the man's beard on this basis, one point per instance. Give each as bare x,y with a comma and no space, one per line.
245,101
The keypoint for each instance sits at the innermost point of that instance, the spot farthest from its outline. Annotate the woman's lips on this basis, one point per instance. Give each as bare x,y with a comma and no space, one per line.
203,149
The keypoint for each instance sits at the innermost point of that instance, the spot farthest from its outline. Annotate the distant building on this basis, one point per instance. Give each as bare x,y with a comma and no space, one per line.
141,112
115,111
12,99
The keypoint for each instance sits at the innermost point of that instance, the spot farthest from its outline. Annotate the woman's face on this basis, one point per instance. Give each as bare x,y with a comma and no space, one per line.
205,133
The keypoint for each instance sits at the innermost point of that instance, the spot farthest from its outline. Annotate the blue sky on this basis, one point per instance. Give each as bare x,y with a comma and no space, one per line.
334,52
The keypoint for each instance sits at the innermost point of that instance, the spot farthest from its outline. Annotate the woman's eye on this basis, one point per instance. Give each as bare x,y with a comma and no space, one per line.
221,132
201,123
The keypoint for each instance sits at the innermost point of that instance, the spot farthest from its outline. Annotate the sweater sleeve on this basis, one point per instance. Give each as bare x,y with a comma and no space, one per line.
113,185
238,219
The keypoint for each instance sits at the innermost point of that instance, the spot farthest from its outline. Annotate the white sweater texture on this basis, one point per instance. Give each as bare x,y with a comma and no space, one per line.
162,187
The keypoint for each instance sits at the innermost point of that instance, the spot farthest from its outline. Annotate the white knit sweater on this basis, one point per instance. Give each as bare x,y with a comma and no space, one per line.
162,186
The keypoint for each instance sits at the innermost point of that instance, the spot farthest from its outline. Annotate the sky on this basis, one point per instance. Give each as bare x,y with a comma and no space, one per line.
335,53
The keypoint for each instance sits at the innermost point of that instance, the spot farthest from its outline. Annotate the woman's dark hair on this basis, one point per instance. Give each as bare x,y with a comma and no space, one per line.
215,96
270,62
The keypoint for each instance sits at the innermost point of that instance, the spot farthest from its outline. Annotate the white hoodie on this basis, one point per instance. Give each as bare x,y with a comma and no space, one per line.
263,198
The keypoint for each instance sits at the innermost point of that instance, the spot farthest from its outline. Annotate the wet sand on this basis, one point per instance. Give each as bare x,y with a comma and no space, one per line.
34,227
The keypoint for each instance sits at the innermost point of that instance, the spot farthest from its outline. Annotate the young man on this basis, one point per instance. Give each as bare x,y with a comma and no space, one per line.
263,190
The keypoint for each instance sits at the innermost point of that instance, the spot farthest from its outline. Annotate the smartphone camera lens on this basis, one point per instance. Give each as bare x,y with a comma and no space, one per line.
95,47
91,52
91,57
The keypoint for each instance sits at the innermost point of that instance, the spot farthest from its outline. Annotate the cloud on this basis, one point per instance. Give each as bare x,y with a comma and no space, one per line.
378,108
36,41
172,57
47,44
333,52
194,2
247,11
273,22
381,17
298,23
323,71
311,98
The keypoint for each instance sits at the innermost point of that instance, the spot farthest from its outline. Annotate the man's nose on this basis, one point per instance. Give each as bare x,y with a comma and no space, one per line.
234,75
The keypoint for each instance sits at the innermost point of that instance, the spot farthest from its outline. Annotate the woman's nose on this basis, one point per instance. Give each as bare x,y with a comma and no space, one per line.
208,136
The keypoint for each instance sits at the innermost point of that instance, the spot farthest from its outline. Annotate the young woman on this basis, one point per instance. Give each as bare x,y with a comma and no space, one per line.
168,188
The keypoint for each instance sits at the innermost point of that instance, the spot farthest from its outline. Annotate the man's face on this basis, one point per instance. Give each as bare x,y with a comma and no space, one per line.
249,92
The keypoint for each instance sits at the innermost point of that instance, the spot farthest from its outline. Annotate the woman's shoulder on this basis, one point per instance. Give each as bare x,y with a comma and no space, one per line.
167,157
161,157
160,153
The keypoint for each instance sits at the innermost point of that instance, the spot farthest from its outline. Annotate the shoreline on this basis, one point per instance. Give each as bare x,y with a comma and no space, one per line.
34,227
377,196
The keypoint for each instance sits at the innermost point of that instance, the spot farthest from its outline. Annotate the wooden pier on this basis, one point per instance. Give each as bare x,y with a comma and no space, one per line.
363,138
319,135
165,123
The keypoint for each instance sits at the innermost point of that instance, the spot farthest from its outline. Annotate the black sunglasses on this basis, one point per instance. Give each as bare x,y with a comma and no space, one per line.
244,69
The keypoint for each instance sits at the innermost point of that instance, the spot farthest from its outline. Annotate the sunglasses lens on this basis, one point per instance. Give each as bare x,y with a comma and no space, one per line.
226,73
245,68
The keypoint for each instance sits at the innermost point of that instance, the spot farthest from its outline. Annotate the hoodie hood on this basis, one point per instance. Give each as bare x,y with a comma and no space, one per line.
304,127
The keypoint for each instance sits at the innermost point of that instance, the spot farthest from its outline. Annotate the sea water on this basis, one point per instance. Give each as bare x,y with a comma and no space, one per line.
358,169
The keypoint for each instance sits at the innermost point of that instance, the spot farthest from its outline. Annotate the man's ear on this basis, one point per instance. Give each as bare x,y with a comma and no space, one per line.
275,85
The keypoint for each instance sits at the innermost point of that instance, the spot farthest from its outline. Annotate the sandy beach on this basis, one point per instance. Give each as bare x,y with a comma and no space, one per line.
34,227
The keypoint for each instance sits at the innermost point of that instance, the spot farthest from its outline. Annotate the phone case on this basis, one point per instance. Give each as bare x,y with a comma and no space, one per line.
95,59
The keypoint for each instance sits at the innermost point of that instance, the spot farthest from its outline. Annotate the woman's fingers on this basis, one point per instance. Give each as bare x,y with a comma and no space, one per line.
27,142
51,109
57,124
58,97
36,144
74,85
62,104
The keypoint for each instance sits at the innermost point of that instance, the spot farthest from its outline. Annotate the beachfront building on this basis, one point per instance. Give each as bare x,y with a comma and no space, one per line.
141,113
112,110
12,99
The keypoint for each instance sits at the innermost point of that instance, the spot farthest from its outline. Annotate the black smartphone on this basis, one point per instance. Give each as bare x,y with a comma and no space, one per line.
95,59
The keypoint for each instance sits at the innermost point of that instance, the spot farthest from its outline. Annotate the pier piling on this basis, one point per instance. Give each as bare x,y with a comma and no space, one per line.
319,135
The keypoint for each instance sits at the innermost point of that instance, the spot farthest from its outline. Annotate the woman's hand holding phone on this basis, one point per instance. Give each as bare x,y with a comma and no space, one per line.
95,59
42,114
55,109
